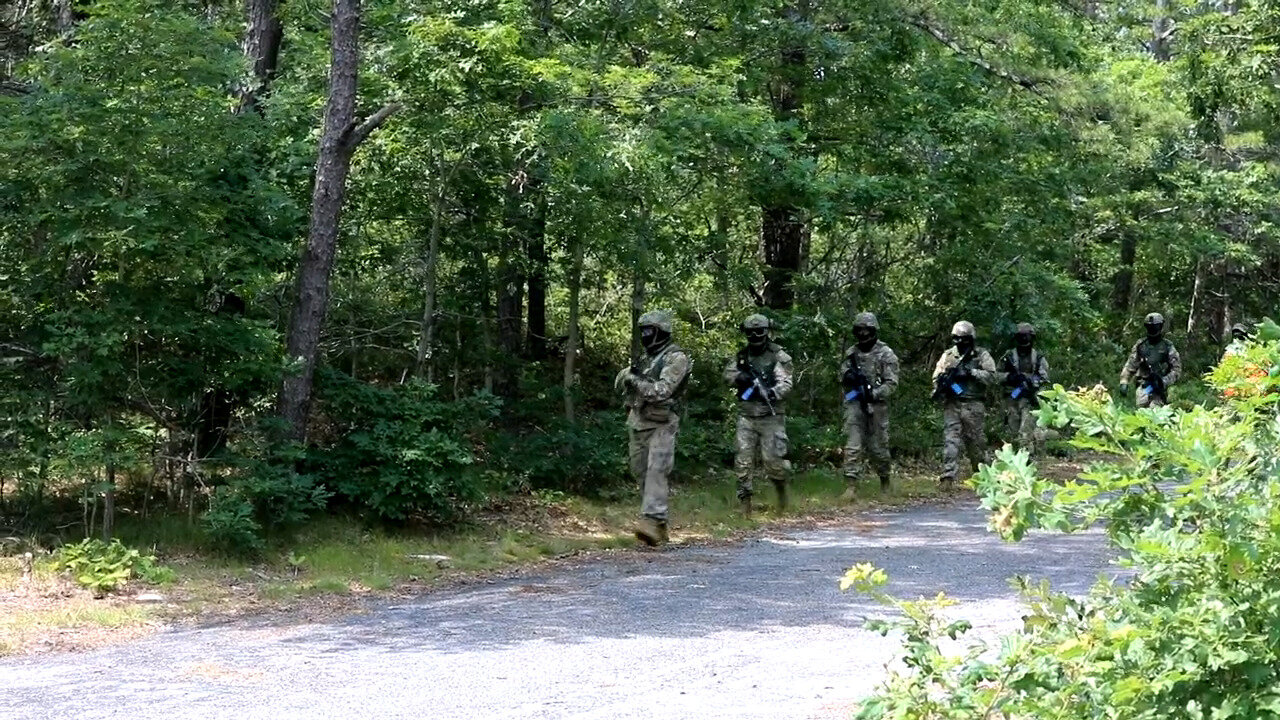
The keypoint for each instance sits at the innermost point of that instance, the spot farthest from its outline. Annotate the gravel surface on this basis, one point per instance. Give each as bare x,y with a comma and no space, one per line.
752,630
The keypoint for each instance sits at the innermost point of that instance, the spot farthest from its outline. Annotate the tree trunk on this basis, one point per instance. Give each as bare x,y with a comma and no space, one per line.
339,139
1122,295
784,237
1161,32
486,316
784,234
537,245
638,292
262,38
1197,287
426,334
575,334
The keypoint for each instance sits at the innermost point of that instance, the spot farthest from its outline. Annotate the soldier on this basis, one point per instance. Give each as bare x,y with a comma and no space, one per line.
869,375
1025,371
653,390
1154,361
761,377
960,378
1239,336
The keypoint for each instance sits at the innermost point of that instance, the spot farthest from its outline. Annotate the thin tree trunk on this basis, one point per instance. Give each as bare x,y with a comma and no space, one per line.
537,244
510,311
1122,295
109,503
340,138
1161,32
1194,308
486,315
638,293
262,38
575,335
426,335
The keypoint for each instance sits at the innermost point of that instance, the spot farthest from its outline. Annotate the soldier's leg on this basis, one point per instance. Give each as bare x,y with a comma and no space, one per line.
855,432
1146,398
973,418
745,440
638,454
952,441
662,458
879,445
773,454
1028,432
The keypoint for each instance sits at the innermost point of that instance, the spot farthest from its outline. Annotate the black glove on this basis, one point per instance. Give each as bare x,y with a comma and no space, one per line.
850,378
742,380
1011,379
962,373
771,394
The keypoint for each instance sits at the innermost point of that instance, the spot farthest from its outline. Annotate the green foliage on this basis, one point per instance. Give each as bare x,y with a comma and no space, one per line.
230,524
587,457
1190,503
400,452
103,567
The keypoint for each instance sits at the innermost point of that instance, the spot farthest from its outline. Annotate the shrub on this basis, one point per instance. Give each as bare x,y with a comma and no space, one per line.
1191,504
104,567
399,452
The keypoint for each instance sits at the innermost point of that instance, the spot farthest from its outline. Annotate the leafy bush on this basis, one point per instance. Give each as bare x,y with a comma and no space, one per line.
229,524
104,567
1191,504
584,457
400,452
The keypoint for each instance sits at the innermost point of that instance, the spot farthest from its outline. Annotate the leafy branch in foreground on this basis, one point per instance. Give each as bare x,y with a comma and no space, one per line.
1190,629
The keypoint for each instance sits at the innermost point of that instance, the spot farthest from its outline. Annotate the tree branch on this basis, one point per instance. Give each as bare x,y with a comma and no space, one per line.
941,36
357,134
13,87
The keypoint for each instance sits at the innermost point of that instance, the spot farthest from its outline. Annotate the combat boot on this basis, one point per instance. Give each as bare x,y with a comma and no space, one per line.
744,503
651,532
884,482
850,493
783,499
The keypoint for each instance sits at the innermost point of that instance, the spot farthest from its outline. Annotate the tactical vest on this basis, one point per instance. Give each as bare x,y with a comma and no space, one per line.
1157,357
764,364
871,362
1029,366
653,373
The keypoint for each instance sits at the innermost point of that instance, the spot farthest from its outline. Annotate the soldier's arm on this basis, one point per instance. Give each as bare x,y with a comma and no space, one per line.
985,369
888,377
1175,366
845,366
943,365
673,374
782,377
1042,369
1130,366
731,370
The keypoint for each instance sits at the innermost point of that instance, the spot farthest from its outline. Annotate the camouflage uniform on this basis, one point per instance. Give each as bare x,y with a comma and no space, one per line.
760,432
868,433
1019,411
652,397
1160,356
1239,341
963,415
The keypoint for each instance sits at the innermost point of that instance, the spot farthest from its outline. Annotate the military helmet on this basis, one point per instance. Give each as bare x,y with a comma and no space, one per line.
656,318
964,328
866,320
756,322
1153,319
1240,328
1025,329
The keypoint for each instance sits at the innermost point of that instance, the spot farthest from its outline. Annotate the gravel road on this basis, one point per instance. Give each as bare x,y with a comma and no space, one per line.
752,630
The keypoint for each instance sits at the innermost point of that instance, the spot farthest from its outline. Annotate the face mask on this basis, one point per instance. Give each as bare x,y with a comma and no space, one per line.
757,337
1155,330
1022,340
865,336
962,342
653,338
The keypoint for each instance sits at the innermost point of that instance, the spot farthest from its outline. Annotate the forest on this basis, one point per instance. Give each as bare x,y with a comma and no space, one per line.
267,260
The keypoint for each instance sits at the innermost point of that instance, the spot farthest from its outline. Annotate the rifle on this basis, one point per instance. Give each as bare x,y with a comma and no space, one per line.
858,385
1154,381
758,383
947,385
1021,384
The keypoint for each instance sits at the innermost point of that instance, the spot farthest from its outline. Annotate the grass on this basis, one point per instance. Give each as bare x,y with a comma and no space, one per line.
333,561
